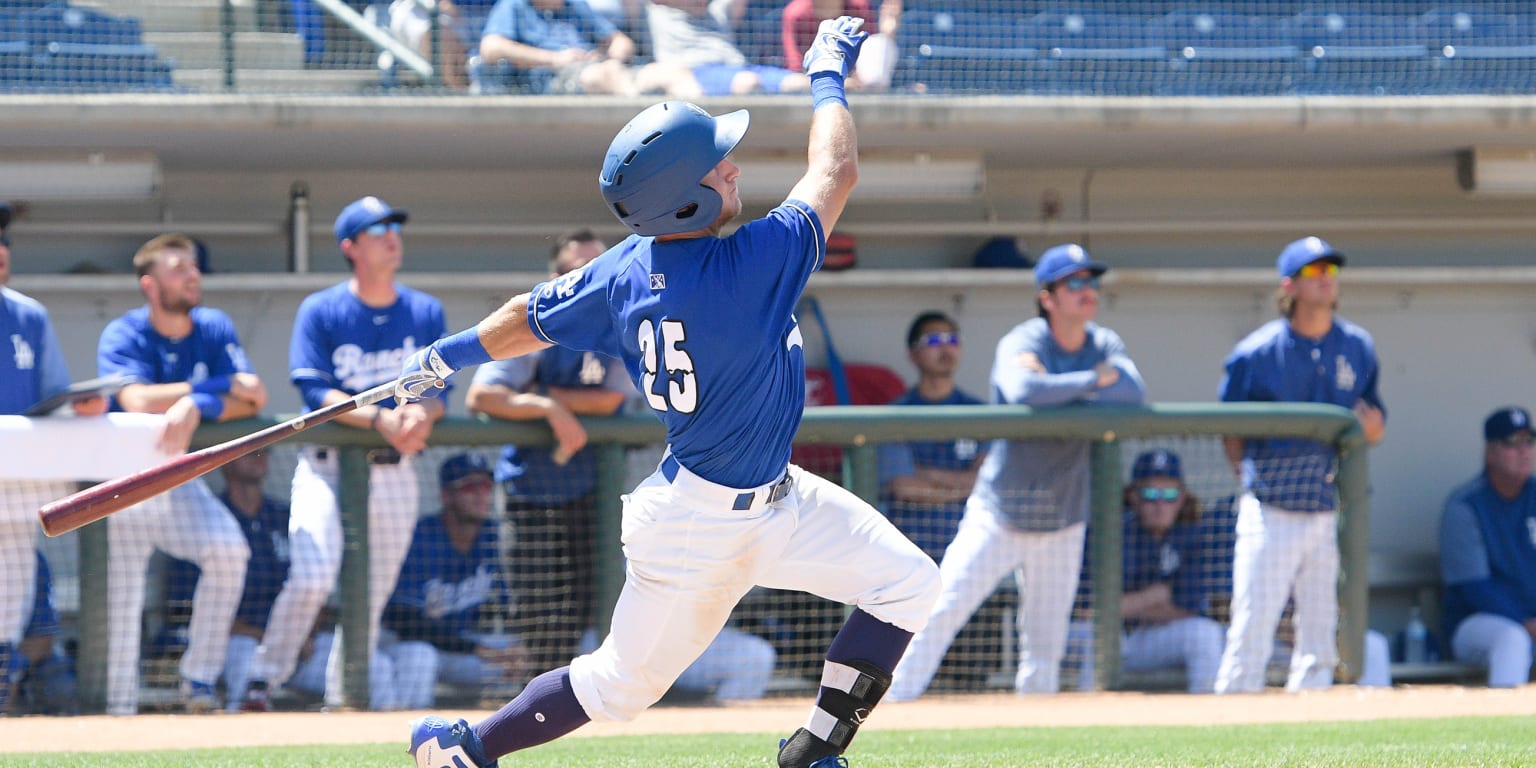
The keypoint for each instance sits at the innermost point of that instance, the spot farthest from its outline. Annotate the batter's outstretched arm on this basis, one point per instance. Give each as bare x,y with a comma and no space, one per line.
833,151
502,334
505,332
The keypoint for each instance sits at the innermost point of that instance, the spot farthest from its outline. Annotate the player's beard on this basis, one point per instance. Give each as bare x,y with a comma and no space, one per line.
178,306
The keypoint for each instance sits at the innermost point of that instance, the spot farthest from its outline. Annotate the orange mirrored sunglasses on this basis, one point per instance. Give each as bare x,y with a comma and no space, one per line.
1318,269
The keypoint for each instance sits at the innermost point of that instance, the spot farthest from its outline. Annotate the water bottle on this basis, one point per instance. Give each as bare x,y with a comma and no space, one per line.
1415,639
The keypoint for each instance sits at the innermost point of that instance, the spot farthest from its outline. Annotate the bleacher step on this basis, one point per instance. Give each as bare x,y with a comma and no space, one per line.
178,15
253,50
280,80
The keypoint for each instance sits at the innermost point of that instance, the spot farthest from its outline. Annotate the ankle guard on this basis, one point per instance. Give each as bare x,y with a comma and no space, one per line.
849,692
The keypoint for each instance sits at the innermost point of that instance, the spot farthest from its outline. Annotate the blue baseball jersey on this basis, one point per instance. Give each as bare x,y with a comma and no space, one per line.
441,590
34,368
930,526
265,572
707,331
1275,365
44,620
341,343
1177,559
130,346
531,474
1042,485
1488,553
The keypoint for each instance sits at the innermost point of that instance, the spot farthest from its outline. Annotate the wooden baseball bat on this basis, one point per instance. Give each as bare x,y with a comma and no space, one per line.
98,501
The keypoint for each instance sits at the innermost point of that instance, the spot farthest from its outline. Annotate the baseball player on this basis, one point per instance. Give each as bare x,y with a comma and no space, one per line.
1166,598
706,329
1488,554
346,339
1286,521
549,491
185,361
1029,510
450,575
31,369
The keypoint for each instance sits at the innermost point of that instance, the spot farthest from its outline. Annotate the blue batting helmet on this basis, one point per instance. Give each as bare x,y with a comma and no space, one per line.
651,174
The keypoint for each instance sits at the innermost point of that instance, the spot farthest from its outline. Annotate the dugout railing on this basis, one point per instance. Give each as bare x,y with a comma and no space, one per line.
859,430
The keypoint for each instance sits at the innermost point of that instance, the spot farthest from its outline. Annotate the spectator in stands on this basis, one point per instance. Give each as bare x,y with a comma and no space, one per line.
1165,601
184,361
877,58
42,676
460,23
564,47
345,338
450,578
925,484
1488,554
1029,510
32,371
699,34
1287,515
550,492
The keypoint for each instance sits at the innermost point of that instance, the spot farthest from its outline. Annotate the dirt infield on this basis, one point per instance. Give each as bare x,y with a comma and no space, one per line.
75,734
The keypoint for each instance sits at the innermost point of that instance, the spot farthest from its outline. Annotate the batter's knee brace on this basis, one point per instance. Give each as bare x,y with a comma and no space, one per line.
849,692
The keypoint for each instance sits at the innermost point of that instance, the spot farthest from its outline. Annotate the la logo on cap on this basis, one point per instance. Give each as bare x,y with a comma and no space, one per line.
1517,417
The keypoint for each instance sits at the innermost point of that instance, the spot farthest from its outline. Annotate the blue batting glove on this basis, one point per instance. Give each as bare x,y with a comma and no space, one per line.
836,47
422,373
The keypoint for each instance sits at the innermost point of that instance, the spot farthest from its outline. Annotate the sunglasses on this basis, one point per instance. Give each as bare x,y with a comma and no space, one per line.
938,340
378,230
1149,493
5,240
1077,283
1318,269
1517,440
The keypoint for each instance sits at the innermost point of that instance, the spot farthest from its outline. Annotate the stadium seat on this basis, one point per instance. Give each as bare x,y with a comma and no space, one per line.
1218,54
1098,53
1474,51
949,48
1363,54
75,49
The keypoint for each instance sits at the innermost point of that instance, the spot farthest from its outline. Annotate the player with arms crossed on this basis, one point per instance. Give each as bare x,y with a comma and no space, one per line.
706,329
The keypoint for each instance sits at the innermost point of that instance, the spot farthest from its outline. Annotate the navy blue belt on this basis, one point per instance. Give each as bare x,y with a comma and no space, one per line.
775,492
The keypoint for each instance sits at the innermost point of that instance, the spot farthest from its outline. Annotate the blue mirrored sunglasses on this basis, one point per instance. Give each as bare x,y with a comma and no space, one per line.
378,230
1077,283
939,340
1150,493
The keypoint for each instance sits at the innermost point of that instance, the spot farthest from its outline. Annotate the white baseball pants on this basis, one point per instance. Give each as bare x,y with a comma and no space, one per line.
1192,643
1046,567
19,502
315,547
190,523
691,558
1498,643
1279,555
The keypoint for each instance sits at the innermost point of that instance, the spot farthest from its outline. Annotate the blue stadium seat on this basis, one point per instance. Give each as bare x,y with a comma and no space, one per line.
1217,54
1475,51
62,23
948,48
75,49
1098,53
1348,53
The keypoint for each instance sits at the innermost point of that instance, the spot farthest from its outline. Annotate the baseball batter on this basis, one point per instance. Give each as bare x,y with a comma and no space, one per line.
705,326
186,362
1029,510
1488,554
349,338
32,369
1287,542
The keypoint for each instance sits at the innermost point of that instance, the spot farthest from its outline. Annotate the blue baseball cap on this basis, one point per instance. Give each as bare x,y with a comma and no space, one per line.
1305,251
364,213
1158,463
1063,260
5,215
462,465
1507,421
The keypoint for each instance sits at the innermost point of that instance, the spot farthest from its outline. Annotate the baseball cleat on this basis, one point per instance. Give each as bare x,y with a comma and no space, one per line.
257,698
198,698
830,761
437,743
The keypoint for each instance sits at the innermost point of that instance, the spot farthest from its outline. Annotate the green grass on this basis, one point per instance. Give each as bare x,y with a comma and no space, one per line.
1496,741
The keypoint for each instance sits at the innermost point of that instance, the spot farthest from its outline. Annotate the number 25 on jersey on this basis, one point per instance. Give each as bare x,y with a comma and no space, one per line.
664,347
